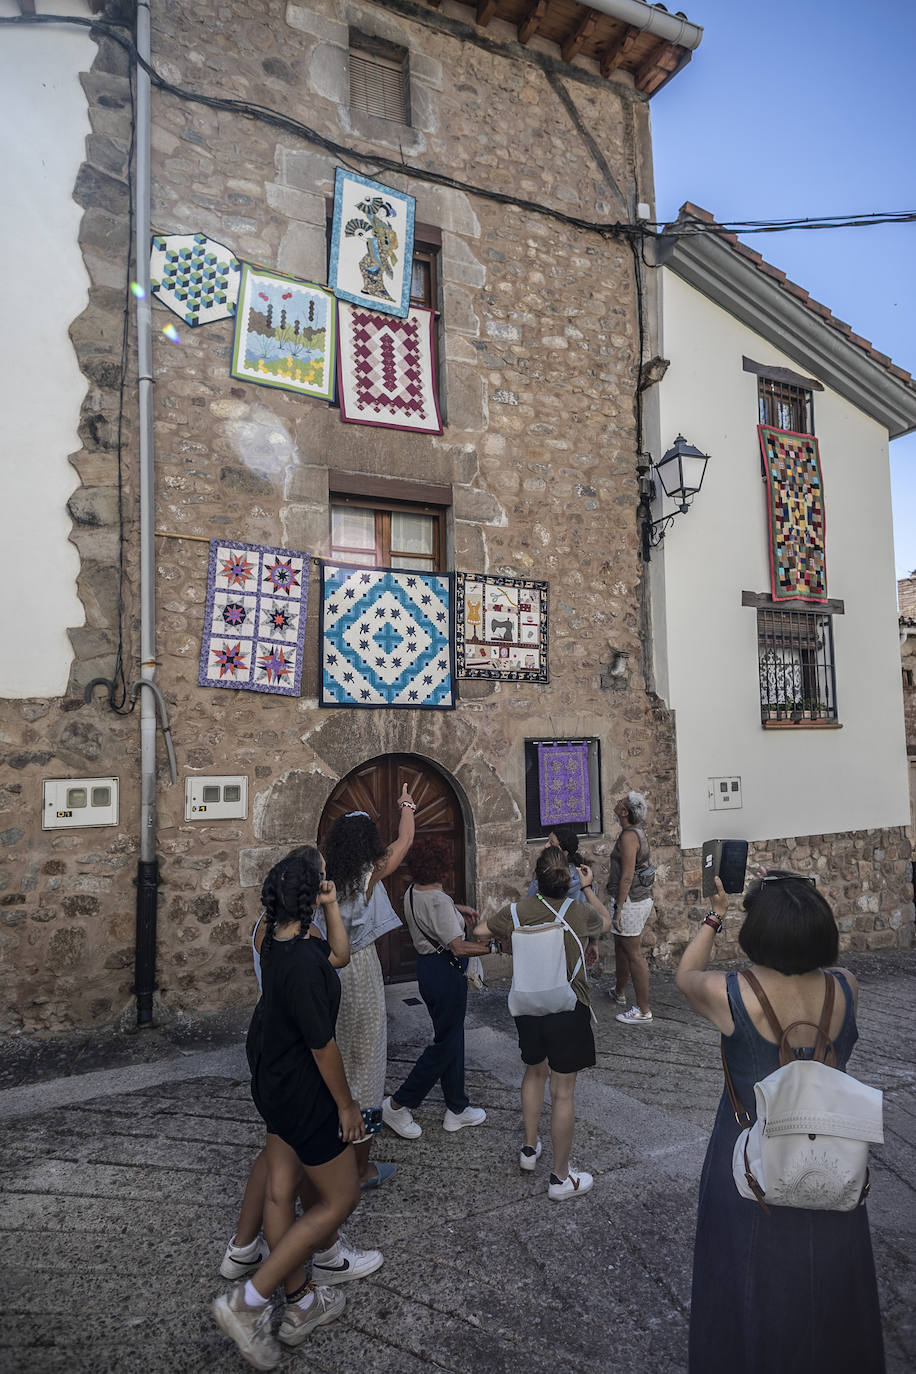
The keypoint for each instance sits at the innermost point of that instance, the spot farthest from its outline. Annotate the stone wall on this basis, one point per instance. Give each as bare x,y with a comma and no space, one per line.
540,364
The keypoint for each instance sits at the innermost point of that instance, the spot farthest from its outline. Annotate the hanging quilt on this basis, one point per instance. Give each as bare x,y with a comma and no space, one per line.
386,369
285,334
254,626
563,786
798,569
500,628
194,276
385,638
371,244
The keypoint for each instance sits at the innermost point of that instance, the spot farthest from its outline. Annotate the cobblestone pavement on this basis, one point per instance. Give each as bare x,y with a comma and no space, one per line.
125,1157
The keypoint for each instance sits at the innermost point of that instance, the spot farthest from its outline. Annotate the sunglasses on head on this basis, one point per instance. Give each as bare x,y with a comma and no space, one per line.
808,878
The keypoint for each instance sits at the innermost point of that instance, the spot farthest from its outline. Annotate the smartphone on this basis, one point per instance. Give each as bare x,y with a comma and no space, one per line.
372,1124
725,859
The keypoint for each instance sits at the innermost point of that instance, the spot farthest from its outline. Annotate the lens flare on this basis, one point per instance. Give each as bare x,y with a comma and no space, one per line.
137,290
171,333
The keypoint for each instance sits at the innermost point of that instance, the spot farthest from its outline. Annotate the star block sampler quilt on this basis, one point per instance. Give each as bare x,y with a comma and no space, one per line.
194,276
797,524
386,638
285,334
386,369
563,785
254,626
500,628
371,244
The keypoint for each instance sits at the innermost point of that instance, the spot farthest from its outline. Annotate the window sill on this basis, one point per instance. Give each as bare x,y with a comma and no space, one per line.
801,725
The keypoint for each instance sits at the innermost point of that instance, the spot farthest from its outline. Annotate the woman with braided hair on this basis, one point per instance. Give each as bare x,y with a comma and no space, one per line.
357,862
300,1089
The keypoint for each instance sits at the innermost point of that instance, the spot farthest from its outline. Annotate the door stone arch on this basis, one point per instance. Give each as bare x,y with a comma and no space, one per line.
374,787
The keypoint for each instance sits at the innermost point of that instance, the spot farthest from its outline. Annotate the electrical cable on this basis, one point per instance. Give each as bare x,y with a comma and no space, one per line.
607,229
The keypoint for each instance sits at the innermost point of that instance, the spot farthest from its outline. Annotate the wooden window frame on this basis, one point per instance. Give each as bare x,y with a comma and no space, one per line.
775,391
387,496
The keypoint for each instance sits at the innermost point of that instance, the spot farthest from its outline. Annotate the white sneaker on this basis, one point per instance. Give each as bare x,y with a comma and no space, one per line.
471,1116
575,1184
241,1260
296,1324
400,1120
617,997
529,1156
342,1263
634,1015
249,1327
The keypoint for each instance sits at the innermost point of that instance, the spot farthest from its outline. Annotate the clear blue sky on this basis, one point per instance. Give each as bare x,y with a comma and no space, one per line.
791,109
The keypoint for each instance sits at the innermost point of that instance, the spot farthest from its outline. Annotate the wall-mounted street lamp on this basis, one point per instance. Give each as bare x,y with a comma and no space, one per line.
680,472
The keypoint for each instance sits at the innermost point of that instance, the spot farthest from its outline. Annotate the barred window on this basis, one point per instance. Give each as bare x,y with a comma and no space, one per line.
784,406
379,78
796,666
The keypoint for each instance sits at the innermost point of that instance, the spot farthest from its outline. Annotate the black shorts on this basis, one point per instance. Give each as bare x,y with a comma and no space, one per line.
313,1146
564,1039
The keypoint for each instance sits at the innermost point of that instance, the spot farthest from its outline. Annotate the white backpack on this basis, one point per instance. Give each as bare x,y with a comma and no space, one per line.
809,1144
540,982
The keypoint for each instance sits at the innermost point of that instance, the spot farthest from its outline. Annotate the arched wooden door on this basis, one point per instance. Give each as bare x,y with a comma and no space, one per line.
374,787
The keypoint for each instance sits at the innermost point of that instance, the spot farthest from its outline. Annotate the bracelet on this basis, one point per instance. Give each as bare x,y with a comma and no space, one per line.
714,921
412,805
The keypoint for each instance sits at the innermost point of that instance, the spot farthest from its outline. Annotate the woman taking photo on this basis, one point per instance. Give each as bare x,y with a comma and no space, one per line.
357,862
437,928
631,902
788,1289
300,1089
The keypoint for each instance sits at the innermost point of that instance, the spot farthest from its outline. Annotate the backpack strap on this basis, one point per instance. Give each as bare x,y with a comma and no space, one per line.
823,1046
514,914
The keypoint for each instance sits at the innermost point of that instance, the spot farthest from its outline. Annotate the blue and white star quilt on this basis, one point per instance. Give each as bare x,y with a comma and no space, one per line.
386,638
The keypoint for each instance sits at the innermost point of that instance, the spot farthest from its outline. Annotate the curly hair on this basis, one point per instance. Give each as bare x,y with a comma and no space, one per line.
637,806
552,872
352,850
429,859
290,891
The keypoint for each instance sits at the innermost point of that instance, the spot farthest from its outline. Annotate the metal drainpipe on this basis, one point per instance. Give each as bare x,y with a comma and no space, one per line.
672,27
147,867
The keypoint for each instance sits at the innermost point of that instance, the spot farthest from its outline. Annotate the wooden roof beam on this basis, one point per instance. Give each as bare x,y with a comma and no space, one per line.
532,21
663,59
575,39
617,51
485,11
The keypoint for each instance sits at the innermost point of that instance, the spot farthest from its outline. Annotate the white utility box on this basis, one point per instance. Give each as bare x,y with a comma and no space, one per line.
216,799
68,802
724,794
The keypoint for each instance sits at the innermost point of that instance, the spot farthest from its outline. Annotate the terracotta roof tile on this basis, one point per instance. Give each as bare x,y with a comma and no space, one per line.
689,211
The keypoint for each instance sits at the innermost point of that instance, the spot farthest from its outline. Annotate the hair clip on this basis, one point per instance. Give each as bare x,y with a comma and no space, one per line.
357,813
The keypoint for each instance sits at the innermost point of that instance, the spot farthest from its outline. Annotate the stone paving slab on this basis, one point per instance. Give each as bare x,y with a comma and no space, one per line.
121,1187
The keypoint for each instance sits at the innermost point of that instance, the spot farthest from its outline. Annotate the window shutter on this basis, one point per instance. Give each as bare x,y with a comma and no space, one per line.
378,86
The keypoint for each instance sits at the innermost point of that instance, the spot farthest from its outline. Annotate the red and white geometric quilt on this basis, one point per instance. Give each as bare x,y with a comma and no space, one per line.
385,369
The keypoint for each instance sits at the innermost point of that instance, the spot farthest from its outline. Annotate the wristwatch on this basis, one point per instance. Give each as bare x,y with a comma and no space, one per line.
713,920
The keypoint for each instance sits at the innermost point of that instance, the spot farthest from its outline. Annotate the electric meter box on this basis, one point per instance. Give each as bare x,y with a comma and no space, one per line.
216,799
70,802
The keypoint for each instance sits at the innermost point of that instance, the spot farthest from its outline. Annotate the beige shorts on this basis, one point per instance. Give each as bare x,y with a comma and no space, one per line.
631,917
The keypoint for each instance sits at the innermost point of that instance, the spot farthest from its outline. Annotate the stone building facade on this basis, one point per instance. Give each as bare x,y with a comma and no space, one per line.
535,475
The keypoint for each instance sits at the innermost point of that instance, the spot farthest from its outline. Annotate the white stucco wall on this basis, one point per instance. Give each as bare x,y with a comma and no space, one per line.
42,143
794,782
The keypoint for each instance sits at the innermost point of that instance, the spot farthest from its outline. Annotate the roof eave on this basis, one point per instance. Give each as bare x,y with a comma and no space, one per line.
713,268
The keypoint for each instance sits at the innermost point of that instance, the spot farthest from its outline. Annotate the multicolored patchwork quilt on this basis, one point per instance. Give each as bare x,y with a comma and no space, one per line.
254,627
385,638
797,525
500,628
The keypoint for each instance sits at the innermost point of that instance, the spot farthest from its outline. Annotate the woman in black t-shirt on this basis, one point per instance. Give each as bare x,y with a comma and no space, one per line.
300,1089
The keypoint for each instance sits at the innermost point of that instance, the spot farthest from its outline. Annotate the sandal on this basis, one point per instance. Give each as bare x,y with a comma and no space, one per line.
382,1175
